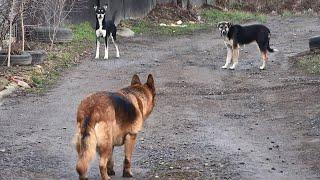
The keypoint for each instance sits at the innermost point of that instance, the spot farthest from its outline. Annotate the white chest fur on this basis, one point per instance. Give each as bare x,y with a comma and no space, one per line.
101,32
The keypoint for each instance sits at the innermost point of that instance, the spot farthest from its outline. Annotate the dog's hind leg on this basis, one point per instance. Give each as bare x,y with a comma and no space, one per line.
264,56
229,57
235,57
104,147
98,48
106,50
129,144
110,165
117,49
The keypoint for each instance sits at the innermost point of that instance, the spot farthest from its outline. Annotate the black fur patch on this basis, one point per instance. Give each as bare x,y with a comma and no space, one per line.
124,109
247,34
84,129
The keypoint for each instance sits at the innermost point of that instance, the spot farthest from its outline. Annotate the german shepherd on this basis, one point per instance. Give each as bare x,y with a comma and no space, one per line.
108,119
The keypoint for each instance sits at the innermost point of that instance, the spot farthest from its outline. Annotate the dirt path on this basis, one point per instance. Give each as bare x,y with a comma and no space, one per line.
209,123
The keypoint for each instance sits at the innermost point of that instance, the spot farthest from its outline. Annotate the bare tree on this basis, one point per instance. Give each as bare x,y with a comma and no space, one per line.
53,13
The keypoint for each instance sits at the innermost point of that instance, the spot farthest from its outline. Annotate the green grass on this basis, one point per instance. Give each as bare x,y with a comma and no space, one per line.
210,17
288,14
310,64
143,26
83,31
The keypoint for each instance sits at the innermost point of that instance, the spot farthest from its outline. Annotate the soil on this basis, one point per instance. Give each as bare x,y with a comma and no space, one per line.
208,123
171,13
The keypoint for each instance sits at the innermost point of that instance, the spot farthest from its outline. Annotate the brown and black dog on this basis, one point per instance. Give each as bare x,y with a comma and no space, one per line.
107,119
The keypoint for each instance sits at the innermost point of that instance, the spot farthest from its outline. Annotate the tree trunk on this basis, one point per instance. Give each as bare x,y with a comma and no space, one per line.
10,39
22,25
10,30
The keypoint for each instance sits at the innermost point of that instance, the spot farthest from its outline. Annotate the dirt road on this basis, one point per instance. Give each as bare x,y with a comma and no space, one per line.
208,123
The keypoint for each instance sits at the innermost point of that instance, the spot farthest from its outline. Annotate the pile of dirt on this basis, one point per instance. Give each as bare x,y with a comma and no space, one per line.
271,5
171,13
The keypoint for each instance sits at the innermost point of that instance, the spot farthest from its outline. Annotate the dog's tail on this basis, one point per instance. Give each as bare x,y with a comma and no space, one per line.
86,143
114,16
268,45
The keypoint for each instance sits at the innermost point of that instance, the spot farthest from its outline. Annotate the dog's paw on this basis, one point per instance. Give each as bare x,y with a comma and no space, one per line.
117,56
224,67
97,57
106,57
111,172
127,174
262,68
232,67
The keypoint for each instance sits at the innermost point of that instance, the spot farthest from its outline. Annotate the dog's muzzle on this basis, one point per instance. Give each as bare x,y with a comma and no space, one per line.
224,33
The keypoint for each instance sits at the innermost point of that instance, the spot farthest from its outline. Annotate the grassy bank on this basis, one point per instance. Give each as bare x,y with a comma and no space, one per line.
61,57
208,18
310,63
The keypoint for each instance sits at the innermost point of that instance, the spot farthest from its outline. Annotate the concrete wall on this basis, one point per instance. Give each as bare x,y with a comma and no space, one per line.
127,8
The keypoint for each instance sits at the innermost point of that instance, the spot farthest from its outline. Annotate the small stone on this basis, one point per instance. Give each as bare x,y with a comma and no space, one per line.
273,168
242,163
156,176
170,167
3,150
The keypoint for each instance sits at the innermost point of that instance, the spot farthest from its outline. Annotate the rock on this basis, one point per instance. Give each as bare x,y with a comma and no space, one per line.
3,83
2,150
179,22
125,32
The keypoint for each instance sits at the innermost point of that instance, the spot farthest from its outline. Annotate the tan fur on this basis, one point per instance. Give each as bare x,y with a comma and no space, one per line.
105,120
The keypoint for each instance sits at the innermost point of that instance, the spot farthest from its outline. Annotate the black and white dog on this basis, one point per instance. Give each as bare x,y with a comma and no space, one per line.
105,29
236,35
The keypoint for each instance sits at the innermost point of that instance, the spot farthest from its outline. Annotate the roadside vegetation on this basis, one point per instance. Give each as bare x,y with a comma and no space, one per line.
310,63
59,58
190,21
64,56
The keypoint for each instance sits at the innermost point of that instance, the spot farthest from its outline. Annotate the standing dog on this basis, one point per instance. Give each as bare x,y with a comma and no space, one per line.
105,29
107,119
236,35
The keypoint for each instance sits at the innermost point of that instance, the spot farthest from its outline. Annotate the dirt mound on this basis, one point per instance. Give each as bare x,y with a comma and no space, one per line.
171,13
271,5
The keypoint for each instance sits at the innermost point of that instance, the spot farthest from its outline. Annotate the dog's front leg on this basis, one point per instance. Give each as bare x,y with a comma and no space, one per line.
229,56
235,57
98,48
106,53
129,145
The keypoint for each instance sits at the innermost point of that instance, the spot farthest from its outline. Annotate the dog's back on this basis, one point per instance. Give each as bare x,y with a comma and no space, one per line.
248,34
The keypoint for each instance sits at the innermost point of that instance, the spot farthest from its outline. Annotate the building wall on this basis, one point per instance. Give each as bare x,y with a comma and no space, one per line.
127,8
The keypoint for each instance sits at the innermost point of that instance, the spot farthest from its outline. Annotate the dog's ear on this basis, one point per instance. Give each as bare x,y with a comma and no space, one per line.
150,82
135,80
95,7
219,23
105,7
230,24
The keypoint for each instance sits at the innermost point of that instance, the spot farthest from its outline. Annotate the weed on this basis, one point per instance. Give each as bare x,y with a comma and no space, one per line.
310,63
215,16
210,17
